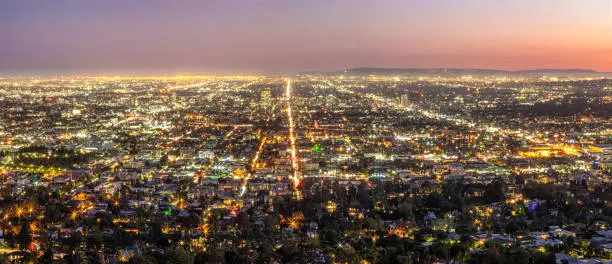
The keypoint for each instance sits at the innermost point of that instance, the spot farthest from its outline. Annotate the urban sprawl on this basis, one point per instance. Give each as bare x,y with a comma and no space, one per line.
306,169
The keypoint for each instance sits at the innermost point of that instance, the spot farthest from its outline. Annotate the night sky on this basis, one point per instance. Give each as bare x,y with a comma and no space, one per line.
286,36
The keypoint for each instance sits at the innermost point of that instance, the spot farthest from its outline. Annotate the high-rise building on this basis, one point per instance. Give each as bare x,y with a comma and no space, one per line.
266,98
403,99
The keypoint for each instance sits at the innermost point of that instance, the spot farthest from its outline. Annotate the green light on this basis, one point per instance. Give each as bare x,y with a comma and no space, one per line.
542,249
317,148
168,212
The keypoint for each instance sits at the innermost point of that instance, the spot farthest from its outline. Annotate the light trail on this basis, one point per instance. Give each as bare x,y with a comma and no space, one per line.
226,125
259,150
230,133
262,143
294,159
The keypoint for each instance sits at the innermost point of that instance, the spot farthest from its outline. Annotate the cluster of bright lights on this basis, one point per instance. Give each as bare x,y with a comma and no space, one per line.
294,159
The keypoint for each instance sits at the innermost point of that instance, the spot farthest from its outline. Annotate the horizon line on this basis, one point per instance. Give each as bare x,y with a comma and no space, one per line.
220,72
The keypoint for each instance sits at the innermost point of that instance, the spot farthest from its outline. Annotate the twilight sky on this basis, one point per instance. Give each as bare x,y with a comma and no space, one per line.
285,36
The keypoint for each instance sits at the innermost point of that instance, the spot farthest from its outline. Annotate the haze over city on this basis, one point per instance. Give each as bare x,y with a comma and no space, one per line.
283,37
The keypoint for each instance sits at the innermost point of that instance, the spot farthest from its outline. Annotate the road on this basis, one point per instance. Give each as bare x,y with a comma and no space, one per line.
297,178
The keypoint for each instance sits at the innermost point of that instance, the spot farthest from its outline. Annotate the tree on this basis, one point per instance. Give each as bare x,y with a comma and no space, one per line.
230,256
142,259
363,195
518,255
177,256
25,235
47,258
270,223
405,210
494,192
74,240
243,221
94,257
404,259
493,255
514,226
95,239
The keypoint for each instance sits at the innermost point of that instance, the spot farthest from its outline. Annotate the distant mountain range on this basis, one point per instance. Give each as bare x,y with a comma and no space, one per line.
452,72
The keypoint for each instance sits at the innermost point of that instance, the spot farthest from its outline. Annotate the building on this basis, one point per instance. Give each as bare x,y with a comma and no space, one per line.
266,98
